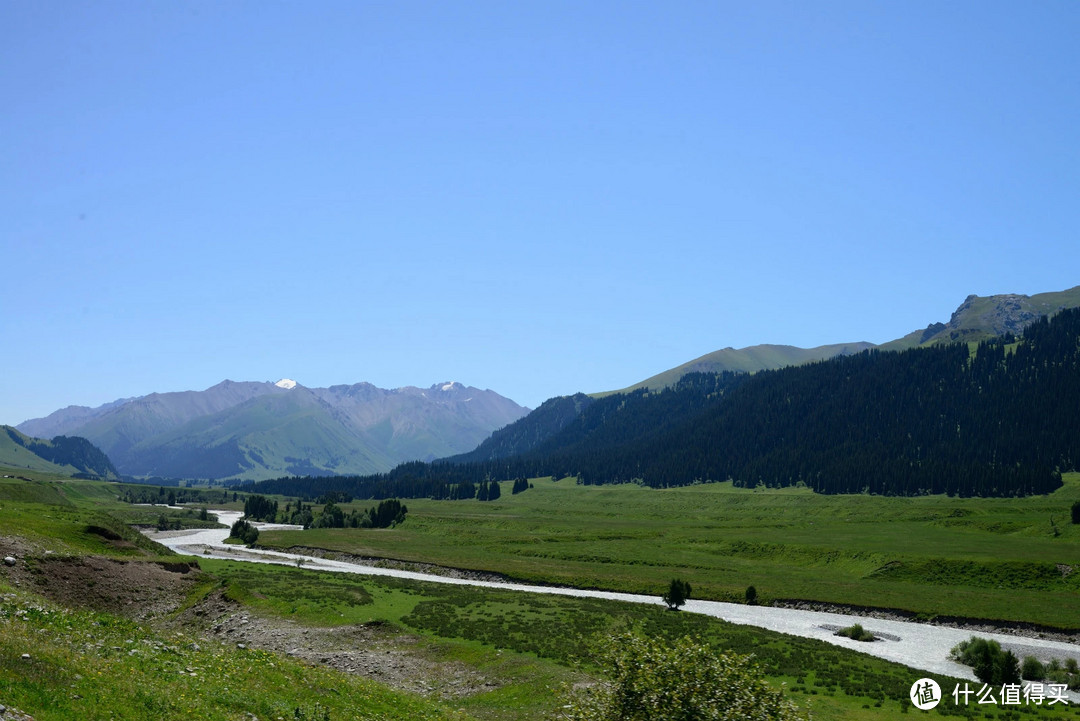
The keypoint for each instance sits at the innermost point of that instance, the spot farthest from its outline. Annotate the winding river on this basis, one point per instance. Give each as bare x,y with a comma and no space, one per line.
918,645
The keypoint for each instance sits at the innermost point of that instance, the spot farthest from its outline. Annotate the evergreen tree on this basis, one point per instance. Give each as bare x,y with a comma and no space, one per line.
677,594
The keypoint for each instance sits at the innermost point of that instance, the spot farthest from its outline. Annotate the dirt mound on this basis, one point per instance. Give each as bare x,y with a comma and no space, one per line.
136,589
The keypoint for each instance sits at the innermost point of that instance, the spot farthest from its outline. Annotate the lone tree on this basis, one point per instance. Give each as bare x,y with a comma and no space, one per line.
677,593
1076,512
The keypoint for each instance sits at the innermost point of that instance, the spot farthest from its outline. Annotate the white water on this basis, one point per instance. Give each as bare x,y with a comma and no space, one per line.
920,646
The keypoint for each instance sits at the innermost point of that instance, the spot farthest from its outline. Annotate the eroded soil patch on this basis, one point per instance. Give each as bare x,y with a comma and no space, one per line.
142,590
374,651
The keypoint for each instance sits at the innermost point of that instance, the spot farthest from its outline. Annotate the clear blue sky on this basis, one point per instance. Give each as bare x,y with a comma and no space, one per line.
532,197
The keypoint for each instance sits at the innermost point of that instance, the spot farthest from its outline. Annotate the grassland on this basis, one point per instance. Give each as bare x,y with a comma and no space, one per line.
91,665
999,559
530,648
535,645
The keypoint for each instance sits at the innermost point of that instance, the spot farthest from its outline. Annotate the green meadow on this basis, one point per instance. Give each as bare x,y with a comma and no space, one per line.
60,664
1015,559
530,650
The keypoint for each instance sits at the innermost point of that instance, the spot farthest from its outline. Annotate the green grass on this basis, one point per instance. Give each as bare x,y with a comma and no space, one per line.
97,666
77,517
528,641
530,645
970,557
19,461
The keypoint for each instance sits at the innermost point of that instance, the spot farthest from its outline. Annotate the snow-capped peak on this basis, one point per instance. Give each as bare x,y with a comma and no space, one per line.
286,383
450,386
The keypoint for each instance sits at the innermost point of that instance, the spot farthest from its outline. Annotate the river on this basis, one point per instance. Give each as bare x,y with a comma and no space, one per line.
918,645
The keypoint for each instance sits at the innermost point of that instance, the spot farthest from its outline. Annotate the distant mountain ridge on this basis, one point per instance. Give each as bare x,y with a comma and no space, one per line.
976,319
252,430
981,318
557,423
749,360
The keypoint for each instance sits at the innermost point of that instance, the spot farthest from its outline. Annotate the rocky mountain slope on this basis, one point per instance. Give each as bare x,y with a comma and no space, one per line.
979,318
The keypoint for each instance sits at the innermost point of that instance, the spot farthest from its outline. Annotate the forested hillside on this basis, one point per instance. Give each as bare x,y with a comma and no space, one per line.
76,454
525,434
994,420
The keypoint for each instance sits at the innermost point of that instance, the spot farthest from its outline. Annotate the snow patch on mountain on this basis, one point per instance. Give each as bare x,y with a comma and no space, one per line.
286,383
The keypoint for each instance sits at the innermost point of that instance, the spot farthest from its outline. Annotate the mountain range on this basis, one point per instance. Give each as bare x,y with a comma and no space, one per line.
993,418
259,430
253,430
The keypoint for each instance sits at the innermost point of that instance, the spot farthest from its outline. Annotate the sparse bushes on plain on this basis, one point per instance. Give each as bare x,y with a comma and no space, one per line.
1054,671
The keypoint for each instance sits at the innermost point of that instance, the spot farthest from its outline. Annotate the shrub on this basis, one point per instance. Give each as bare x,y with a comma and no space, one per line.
857,633
1032,669
751,595
685,681
991,664
244,531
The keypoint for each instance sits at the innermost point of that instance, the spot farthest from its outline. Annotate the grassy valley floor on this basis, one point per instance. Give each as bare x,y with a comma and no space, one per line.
112,628
1011,560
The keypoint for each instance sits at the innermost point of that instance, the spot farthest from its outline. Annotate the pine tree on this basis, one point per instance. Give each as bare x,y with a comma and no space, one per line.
677,594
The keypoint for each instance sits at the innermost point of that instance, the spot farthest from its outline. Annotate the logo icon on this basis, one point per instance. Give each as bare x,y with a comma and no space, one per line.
925,694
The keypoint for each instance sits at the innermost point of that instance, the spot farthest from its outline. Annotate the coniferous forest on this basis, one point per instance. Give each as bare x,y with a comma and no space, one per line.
995,420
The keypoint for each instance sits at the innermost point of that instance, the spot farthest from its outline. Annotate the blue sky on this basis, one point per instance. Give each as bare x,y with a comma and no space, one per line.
536,198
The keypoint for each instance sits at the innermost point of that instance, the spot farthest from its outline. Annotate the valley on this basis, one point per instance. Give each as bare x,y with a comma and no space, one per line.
998,559
540,361
918,498
923,646
439,650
